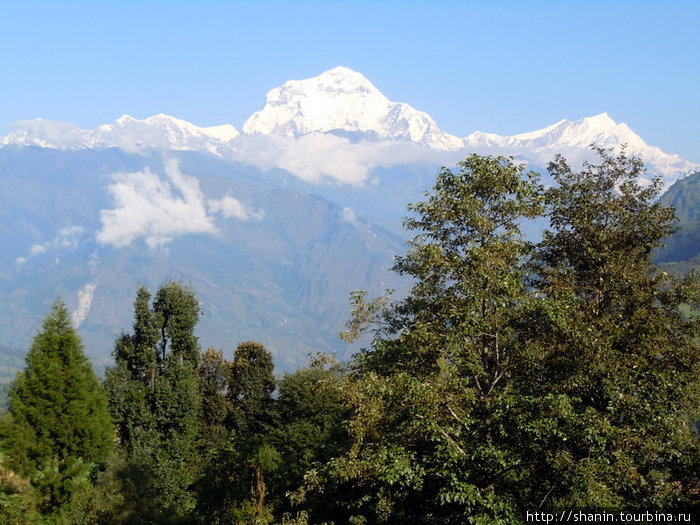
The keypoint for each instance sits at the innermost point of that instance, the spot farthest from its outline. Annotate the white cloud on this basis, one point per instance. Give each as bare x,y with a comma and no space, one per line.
67,237
36,249
158,210
348,216
317,156
231,208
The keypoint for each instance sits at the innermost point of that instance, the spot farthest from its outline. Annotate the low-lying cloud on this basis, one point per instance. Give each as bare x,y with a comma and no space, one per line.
348,216
156,209
231,208
319,156
67,237
148,206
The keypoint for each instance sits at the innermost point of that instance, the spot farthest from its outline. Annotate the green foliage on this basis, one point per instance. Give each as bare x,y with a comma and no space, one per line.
518,377
615,344
256,448
251,387
427,423
155,399
238,415
58,426
311,431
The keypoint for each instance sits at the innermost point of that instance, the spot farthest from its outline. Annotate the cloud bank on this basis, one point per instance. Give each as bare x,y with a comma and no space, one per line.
156,209
319,156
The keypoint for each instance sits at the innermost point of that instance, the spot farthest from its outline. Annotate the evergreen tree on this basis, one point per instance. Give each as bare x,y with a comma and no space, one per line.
58,427
155,398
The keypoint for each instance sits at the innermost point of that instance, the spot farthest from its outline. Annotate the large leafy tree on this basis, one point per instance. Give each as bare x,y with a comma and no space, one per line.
619,349
516,377
431,438
58,426
155,399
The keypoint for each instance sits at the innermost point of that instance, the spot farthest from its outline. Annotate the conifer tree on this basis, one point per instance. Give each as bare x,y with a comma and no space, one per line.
58,426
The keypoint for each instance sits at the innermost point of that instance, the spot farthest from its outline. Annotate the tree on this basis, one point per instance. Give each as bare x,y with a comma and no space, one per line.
214,375
58,427
619,351
235,488
519,378
251,387
311,431
155,399
430,444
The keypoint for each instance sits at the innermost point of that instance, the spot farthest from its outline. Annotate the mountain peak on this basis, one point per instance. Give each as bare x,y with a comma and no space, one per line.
344,79
341,99
600,120
124,119
128,133
599,129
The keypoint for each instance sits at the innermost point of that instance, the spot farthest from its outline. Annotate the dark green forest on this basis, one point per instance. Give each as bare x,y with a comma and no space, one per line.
515,377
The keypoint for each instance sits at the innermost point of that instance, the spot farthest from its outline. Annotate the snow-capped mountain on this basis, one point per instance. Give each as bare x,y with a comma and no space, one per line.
339,125
342,99
574,138
127,133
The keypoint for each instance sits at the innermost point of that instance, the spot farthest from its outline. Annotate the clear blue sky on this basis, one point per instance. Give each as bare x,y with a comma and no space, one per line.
498,66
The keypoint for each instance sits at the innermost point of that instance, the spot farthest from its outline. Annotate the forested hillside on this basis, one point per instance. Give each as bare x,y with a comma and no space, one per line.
681,251
514,378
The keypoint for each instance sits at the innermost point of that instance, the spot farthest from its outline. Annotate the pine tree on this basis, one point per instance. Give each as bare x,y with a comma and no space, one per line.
59,425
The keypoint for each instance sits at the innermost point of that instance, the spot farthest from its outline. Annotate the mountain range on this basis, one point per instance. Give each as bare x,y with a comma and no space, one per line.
272,225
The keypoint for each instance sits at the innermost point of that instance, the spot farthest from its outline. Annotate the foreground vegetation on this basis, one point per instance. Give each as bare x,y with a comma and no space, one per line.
514,377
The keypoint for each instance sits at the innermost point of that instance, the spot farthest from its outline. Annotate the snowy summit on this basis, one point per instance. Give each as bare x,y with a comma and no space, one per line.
344,100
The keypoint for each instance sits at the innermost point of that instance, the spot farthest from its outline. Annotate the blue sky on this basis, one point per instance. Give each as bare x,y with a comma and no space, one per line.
502,66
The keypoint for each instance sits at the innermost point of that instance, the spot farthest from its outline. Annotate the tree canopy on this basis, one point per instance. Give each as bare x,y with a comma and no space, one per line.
519,376
155,399
58,425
